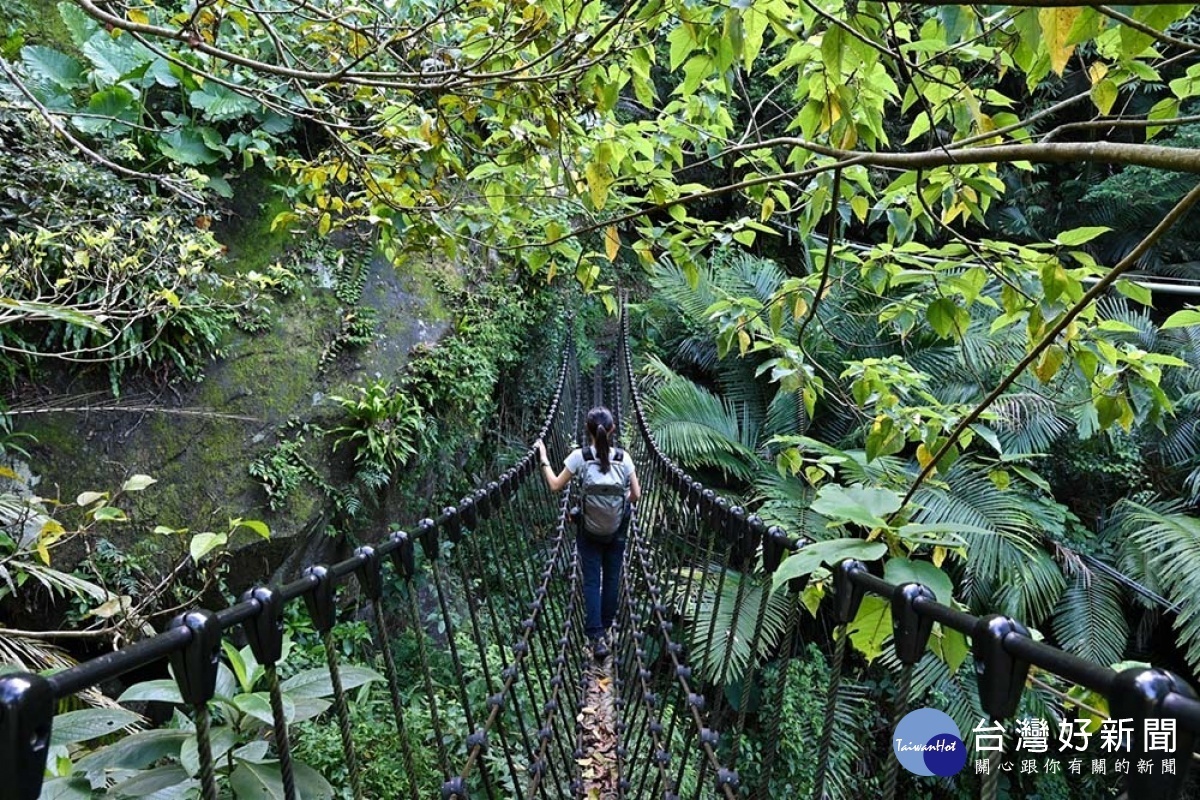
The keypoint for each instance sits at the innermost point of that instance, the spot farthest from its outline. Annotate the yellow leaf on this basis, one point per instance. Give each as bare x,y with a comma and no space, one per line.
923,455
1049,362
1056,28
599,178
1104,95
768,208
325,224
1097,71
743,341
43,553
138,16
5,472
860,206
801,307
612,242
939,555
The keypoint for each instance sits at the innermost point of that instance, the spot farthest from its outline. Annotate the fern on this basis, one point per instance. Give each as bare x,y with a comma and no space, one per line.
1090,619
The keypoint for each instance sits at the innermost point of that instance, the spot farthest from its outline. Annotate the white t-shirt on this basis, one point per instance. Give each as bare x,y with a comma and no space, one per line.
575,463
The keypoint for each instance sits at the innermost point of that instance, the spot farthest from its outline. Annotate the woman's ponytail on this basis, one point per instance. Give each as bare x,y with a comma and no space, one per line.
599,426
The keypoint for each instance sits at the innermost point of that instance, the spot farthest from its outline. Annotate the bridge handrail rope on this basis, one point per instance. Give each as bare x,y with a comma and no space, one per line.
1002,648
192,641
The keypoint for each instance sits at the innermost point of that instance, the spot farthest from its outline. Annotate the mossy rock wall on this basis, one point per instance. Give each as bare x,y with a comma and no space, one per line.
198,440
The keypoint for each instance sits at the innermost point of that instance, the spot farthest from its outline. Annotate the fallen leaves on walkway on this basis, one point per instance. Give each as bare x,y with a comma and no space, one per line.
598,741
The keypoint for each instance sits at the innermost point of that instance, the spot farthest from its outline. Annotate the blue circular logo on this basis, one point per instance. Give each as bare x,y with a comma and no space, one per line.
927,742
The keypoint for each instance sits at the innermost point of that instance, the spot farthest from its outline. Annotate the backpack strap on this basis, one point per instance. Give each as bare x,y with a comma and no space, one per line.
590,455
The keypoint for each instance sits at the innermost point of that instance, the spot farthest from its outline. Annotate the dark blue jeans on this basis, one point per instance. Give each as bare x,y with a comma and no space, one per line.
601,568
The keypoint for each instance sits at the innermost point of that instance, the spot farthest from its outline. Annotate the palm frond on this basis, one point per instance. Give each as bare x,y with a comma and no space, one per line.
1171,539
1090,619
1028,422
785,415
721,643
1028,590
700,429
1002,542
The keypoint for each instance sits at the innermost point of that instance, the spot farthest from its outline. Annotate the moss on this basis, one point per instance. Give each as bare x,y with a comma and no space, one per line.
43,25
271,378
245,227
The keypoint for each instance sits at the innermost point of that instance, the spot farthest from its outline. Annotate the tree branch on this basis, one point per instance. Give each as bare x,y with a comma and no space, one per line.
1101,286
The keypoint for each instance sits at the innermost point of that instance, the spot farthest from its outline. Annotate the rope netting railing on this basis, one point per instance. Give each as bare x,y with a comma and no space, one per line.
489,592
700,588
492,591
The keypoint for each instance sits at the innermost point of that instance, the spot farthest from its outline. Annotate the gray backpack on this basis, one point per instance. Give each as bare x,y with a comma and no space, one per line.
605,505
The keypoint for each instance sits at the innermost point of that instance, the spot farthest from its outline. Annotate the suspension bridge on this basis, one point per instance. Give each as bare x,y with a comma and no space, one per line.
691,558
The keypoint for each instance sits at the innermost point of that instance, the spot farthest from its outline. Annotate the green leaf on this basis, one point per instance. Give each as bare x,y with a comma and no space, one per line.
950,646
831,552
1167,108
76,787
683,41
1104,95
306,707
255,525
1135,291
1183,319
90,723
1031,476
38,311
220,104
902,570
1117,326
310,785
133,752
114,60
87,498
257,751
943,317
599,178
253,780
864,506
80,25
204,543
223,738
316,682
258,705
111,107
237,664
149,783
186,146
59,68
162,691
109,514
1078,236
871,627
137,483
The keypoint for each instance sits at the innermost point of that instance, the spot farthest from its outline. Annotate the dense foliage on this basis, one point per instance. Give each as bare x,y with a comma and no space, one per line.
882,254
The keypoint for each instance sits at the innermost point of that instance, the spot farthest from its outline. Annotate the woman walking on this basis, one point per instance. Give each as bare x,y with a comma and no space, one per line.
608,484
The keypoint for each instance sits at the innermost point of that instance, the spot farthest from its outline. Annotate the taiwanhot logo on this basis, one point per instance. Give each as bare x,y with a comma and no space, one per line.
927,742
